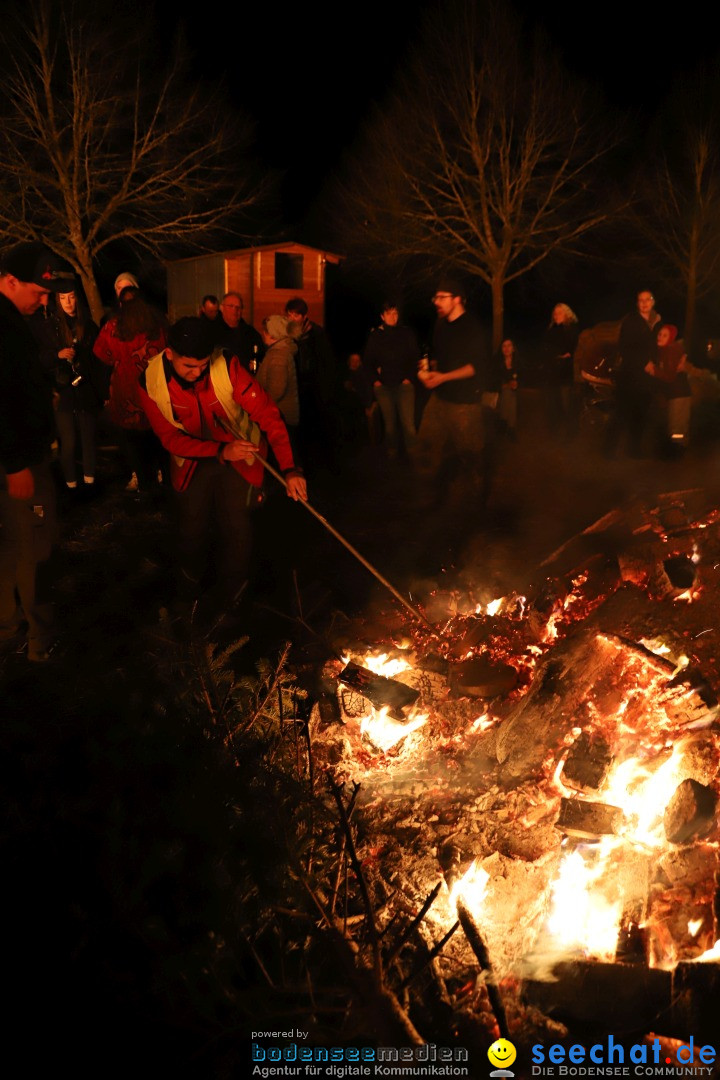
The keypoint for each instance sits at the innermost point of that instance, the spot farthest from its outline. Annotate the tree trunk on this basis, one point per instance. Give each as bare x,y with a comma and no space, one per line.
691,295
92,293
498,310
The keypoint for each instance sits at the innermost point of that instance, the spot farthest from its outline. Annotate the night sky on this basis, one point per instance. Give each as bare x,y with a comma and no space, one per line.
310,81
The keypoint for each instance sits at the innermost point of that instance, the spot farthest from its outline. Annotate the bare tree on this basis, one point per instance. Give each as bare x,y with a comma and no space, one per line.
101,142
680,216
486,157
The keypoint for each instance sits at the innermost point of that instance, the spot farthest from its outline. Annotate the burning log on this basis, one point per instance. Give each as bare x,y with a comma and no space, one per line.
588,820
690,813
621,997
588,763
476,943
329,710
379,690
617,997
695,996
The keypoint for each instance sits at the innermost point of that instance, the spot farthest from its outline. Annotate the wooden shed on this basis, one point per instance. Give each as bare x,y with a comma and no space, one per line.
266,277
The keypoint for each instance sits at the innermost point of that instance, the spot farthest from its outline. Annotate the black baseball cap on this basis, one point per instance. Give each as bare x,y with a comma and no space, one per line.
35,263
193,337
450,284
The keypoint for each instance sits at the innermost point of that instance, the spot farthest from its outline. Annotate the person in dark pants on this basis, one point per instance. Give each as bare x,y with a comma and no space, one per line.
29,273
392,355
126,344
317,379
453,429
634,383
191,392
558,349
79,383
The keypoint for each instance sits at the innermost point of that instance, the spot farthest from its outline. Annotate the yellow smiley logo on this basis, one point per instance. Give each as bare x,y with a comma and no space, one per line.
502,1053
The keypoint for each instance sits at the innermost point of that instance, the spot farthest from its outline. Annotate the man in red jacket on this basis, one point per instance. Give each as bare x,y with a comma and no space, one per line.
192,394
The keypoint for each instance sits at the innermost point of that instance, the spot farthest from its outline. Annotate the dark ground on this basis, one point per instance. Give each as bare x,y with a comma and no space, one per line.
125,828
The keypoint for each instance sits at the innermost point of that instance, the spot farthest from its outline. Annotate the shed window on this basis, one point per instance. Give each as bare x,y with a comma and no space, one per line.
288,271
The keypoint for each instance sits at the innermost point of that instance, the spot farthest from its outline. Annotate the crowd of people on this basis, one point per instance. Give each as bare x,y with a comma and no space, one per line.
197,406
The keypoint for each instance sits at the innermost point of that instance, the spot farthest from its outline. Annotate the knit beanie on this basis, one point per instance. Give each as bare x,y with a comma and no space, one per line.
129,279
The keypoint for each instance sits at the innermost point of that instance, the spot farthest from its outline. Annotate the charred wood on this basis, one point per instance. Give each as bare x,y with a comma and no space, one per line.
695,996
379,690
587,763
690,812
588,820
482,678
618,997
476,943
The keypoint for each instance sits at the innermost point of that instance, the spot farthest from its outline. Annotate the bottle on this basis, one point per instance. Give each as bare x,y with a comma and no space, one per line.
78,375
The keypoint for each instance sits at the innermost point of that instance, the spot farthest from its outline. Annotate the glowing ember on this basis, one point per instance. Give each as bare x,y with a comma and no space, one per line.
689,596
582,918
694,927
494,606
711,954
471,887
482,723
384,732
656,646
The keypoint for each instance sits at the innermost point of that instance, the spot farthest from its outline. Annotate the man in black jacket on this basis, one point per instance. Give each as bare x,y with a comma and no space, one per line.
317,378
392,355
234,334
634,385
27,495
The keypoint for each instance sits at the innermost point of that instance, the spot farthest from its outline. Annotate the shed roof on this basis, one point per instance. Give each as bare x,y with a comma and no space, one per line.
284,245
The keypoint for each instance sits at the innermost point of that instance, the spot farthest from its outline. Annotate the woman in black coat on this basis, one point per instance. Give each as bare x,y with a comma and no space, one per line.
80,385
558,350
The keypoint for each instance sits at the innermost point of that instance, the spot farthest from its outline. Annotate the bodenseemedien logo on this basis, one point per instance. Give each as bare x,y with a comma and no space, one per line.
501,1054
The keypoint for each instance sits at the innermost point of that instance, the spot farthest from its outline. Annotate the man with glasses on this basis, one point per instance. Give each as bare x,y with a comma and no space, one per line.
452,436
234,334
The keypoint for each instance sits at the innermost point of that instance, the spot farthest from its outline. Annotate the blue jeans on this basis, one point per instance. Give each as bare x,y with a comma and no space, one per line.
397,403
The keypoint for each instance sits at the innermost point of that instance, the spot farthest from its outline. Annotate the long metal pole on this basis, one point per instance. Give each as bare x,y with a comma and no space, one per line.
338,536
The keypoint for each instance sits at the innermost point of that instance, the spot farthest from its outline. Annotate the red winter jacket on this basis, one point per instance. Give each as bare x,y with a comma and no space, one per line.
196,407
128,360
